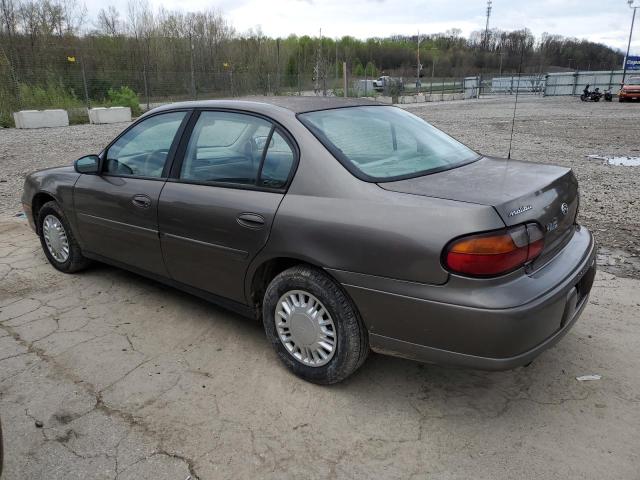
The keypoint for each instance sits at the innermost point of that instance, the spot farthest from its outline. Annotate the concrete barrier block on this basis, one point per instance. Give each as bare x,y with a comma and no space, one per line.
41,118
109,115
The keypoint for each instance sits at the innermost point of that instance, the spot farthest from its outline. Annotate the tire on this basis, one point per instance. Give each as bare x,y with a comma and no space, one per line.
74,260
620,99
351,346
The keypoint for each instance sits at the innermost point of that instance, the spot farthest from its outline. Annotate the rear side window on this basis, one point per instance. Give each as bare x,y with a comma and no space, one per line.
278,162
231,148
143,149
385,143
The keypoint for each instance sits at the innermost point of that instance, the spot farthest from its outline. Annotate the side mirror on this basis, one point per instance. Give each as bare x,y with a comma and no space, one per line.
89,165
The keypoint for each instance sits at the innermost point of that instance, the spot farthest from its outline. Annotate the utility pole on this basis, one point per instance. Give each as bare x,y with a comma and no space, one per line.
486,28
626,58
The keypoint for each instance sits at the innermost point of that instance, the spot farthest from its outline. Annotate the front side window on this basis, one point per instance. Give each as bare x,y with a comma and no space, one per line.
228,147
143,150
385,143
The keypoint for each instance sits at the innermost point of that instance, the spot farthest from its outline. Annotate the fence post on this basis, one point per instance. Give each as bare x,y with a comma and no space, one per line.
344,79
146,87
610,79
84,82
442,91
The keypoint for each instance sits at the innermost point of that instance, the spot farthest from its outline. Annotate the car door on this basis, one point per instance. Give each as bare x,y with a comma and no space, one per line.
117,210
216,211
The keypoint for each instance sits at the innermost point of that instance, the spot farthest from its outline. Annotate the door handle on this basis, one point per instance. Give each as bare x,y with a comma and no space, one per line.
251,220
141,201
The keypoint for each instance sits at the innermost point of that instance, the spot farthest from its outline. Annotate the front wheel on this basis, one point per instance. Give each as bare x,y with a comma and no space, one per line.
314,326
583,97
59,244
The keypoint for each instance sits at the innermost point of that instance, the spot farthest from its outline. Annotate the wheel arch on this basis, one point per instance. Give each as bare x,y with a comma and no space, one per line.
38,200
264,270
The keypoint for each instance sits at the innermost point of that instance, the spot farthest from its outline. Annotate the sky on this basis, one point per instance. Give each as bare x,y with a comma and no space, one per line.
603,21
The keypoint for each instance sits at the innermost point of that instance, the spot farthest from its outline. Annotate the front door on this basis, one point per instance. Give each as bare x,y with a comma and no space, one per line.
117,211
216,214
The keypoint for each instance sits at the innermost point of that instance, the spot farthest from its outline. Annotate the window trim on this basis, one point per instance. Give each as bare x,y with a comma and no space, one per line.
170,154
174,173
359,174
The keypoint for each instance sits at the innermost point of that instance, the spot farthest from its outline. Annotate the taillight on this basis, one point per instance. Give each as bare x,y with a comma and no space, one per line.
494,253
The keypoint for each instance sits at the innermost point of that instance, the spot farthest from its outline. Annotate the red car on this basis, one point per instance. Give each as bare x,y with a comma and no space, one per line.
630,90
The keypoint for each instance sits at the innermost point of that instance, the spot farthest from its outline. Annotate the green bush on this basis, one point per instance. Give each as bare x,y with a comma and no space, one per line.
124,97
50,96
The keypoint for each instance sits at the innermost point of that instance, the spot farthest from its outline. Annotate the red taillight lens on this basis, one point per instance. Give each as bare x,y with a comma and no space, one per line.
494,253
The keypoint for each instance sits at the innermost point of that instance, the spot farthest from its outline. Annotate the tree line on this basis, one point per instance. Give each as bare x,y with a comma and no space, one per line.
159,52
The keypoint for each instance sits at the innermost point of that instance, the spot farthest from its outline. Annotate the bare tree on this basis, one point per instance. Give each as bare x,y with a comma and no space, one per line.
108,21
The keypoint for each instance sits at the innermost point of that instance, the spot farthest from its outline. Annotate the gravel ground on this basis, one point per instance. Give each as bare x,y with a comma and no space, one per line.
552,130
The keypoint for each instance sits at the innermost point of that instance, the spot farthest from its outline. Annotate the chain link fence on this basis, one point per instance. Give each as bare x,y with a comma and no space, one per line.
75,90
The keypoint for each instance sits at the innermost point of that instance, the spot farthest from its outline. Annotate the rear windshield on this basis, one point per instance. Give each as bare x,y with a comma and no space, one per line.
385,143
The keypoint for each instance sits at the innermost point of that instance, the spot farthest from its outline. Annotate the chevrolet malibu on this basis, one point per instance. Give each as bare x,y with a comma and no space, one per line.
344,225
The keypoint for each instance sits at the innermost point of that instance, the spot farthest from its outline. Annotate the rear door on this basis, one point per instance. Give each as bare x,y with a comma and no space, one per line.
216,211
117,211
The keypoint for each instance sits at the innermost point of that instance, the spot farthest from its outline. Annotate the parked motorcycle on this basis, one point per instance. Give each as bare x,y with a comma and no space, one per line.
589,96
608,96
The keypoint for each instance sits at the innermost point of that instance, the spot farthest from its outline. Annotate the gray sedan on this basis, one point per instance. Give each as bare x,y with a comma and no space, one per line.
345,226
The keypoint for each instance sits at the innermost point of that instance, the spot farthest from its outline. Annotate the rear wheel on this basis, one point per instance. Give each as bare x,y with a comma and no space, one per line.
314,326
57,239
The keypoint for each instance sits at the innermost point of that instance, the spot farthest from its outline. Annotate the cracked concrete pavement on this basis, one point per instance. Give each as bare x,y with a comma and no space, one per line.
132,380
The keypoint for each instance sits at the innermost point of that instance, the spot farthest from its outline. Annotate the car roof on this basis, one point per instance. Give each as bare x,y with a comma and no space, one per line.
295,104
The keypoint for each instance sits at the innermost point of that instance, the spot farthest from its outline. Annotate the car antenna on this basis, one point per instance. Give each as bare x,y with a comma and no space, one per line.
515,105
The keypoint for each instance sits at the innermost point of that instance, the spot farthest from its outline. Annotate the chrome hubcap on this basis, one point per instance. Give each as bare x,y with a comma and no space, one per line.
305,328
55,238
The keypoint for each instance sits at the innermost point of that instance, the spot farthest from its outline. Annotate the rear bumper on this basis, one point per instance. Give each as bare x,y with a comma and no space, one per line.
629,95
493,326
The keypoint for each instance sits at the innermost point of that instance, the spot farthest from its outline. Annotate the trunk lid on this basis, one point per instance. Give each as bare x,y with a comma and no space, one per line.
519,191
